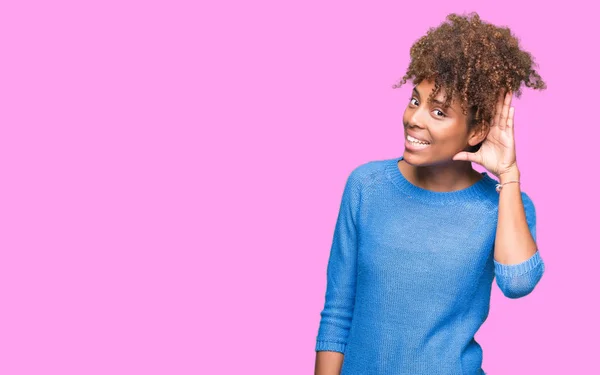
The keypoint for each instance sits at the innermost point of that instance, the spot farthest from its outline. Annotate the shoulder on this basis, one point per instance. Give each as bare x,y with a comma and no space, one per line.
368,173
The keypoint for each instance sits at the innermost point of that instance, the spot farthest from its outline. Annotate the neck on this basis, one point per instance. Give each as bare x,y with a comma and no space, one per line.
450,176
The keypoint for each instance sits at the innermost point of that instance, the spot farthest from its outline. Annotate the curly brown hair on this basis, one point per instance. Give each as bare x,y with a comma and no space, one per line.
476,61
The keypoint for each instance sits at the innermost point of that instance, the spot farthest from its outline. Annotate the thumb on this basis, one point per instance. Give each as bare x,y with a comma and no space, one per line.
467,156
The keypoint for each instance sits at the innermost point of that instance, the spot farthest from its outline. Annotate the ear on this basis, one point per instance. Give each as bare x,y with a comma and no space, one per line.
478,134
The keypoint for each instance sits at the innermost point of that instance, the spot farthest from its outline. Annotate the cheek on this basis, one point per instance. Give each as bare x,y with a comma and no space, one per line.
447,137
450,132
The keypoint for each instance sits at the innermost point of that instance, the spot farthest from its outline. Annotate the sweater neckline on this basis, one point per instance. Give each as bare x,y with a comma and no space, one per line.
476,190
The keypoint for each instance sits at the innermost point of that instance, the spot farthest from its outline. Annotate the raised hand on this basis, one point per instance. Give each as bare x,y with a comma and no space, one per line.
497,152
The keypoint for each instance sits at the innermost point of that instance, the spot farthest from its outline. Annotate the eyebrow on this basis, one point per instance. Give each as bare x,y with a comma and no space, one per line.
433,100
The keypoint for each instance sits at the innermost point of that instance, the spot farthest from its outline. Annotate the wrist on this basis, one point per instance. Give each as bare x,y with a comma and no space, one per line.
512,174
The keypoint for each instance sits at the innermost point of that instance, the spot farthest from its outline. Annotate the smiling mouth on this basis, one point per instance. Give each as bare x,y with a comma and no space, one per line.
415,141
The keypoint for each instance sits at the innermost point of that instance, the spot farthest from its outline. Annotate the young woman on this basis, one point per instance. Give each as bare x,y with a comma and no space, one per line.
420,238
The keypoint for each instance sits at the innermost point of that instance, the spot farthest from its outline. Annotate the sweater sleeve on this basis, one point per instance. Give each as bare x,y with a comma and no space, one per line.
518,280
336,315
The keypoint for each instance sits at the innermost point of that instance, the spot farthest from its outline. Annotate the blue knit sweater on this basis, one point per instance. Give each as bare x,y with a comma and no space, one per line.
410,273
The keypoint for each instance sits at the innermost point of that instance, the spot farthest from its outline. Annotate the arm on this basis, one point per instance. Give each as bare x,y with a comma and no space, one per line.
336,316
328,363
517,262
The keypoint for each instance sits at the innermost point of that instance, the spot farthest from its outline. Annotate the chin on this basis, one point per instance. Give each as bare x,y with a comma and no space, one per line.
410,158
421,160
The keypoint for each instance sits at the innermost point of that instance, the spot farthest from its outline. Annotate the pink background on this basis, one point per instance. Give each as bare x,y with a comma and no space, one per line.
171,175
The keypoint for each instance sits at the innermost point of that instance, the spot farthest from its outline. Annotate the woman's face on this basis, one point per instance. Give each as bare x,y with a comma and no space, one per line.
444,129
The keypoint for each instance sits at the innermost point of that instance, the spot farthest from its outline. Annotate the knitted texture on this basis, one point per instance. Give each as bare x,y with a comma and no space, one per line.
410,273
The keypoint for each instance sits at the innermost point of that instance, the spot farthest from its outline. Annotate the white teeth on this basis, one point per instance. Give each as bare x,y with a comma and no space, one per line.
415,140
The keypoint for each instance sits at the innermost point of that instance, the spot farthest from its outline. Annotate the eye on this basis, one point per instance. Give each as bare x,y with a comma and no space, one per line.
441,114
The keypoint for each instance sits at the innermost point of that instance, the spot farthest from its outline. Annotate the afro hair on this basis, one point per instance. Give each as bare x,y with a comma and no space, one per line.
474,60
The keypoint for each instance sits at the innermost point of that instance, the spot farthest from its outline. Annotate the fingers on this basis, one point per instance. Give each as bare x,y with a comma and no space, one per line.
499,104
468,156
505,110
462,156
510,121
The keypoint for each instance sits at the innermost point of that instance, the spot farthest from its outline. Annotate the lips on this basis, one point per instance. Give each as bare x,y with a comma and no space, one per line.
415,147
420,138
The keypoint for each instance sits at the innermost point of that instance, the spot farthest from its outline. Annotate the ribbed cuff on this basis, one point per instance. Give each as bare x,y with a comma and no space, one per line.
330,346
518,268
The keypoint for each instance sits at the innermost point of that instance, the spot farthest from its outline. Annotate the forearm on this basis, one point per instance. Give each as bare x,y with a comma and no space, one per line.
328,363
514,242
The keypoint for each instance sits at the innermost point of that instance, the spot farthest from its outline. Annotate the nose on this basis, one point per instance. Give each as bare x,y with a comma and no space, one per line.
416,117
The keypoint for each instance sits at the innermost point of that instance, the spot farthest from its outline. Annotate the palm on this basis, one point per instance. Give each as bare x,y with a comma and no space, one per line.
497,152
